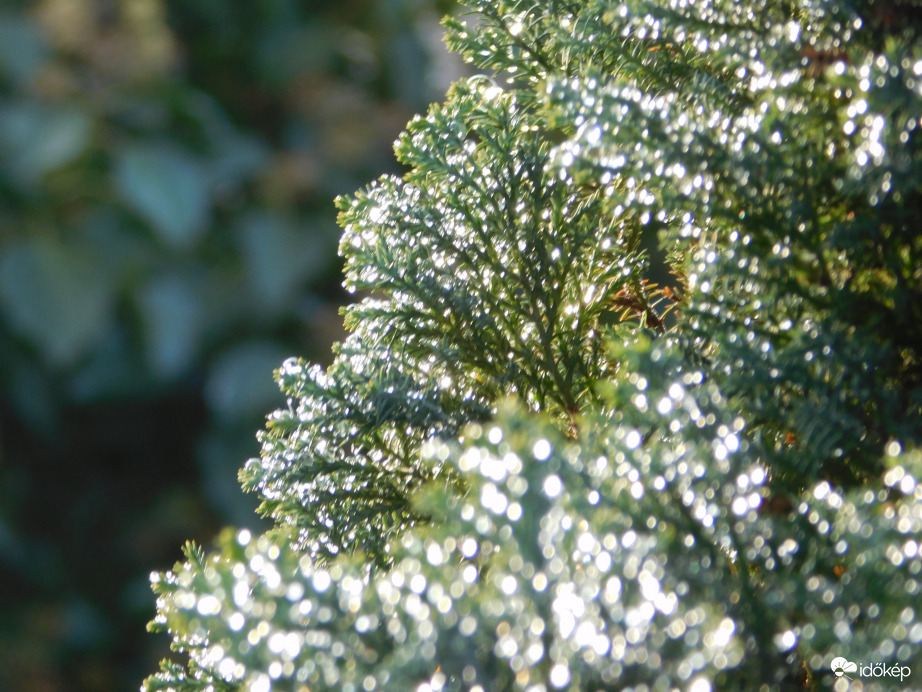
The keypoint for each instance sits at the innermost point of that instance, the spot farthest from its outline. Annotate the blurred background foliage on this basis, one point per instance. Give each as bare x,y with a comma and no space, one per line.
167,237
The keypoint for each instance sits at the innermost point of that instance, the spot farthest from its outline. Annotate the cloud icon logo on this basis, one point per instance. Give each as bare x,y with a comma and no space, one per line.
840,666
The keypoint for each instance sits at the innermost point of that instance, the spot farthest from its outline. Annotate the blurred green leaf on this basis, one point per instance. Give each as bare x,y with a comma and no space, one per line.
22,48
52,295
120,249
38,139
234,155
112,369
240,385
31,393
166,187
289,51
278,257
237,158
171,312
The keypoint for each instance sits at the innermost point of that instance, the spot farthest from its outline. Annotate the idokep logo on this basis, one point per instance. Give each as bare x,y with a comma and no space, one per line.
842,667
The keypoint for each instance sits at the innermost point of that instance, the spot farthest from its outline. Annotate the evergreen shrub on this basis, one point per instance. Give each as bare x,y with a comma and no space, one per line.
633,393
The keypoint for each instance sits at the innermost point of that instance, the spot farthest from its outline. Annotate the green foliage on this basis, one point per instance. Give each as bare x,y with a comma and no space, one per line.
167,238
119,160
494,286
721,497
562,564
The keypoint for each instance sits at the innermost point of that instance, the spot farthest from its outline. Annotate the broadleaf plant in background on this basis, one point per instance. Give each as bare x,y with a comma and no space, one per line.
633,393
